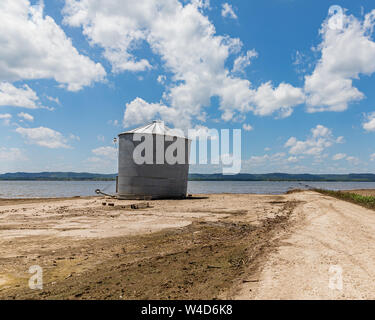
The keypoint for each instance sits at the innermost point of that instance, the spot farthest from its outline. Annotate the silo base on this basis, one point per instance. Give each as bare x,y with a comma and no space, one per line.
148,197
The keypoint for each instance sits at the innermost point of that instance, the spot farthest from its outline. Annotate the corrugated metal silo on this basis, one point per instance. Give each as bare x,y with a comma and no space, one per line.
156,180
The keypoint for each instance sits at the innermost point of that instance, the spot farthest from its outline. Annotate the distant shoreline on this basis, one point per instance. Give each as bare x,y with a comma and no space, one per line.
196,180
272,177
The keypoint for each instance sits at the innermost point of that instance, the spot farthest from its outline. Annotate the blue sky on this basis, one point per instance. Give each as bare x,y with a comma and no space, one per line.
300,79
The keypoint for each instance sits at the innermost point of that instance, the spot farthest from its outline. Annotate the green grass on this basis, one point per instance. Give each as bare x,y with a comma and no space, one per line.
364,201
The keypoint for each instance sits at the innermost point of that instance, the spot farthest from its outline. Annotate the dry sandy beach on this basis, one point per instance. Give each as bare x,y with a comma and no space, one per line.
212,246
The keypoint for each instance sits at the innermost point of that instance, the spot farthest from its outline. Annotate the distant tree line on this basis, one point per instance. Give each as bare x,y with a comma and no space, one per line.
84,176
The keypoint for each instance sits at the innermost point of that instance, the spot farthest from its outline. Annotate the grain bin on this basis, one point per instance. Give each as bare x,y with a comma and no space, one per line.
155,178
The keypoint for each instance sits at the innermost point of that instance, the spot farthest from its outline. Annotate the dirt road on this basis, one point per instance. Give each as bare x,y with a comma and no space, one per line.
331,244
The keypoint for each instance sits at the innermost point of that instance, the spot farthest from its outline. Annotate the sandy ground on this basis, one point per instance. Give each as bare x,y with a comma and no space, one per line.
217,246
331,237
89,218
195,248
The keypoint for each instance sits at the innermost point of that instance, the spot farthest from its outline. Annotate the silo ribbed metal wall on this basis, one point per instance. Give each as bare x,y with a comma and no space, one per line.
157,181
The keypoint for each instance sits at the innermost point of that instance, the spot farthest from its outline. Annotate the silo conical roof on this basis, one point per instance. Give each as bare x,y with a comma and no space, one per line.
156,127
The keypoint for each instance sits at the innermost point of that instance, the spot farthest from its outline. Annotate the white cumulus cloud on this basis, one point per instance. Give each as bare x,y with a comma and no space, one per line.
106,152
139,111
116,26
189,48
320,139
5,116
37,48
74,137
247,127
26,116
347,51
44,137
227,11
281,99
55,100
244,61
23,97
369,125
339,156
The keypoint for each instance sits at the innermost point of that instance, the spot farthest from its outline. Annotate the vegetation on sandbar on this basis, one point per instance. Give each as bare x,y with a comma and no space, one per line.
365,201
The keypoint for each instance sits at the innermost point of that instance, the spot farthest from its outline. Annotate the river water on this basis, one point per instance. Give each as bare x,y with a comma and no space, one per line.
46,189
